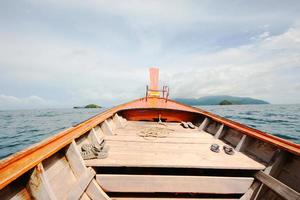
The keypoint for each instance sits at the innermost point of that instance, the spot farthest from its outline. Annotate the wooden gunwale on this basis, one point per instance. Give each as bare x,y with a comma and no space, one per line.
17,164
263,136
266,137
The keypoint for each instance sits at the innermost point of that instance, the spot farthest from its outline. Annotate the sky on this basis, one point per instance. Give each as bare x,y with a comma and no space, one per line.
64,53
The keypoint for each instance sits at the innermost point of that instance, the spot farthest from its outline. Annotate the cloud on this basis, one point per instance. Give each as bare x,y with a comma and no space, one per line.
265,69
31,102
78,52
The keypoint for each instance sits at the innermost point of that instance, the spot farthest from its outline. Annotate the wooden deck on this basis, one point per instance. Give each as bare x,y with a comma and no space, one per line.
182,148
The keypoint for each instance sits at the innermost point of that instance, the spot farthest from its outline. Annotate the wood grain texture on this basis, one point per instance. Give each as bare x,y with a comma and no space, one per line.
250,194
18,164
39,185
75,160
84,197
118,121
95,192
60,175
277,186
145,198
178,184
204,124
219,132
181,148
78,189
241,145
106,128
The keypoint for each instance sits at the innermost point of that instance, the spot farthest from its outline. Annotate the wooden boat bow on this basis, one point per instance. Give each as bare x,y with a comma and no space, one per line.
260,150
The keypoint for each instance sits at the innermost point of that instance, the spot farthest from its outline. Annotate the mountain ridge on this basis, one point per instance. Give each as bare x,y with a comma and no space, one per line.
217,99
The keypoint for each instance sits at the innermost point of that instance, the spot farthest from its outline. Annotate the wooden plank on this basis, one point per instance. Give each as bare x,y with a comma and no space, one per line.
179,184
289,172
111,124
171,160
134,125
219,132
262,136
59,173
172,134
118,122
172,155
98,131
39,185
273,169
203,124
249,195
75,160
85,197
241,144
95,192
277,186
15,191
78,189
107,130
171,140
148,198
94,137
18,164
145,198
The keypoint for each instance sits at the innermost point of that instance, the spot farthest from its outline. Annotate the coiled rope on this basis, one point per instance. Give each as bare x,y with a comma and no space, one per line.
152,133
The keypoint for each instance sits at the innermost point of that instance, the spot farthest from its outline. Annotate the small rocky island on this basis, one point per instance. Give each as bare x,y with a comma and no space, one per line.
225,102
88,106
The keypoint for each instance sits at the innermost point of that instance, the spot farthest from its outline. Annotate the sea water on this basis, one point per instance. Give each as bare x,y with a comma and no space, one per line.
22,128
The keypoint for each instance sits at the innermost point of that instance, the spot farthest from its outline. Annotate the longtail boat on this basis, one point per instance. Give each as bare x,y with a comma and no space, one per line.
155,148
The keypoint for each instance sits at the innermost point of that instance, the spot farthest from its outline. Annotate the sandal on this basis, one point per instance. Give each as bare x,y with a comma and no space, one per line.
228,150
191,125
86,155
184,124
103,153
215,148
86,147
93,147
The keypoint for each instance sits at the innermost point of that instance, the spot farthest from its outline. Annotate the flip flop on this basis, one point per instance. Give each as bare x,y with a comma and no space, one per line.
228,150
86,147
191,125
87,155
104,153
215,148
184,124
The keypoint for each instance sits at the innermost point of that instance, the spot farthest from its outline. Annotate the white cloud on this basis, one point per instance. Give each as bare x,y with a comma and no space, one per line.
265,69
12,102
99,51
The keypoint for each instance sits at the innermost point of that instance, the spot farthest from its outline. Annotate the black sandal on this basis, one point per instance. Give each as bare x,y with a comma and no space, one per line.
184,125
191,125
228,150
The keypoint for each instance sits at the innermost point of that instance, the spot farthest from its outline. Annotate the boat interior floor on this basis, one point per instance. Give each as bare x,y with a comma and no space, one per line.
168,145
165,160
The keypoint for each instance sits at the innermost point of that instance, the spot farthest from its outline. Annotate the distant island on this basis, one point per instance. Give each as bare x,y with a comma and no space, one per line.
225,102
88,106
220,100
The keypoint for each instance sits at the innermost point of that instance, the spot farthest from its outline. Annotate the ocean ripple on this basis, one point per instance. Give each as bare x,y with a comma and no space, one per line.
280,120
22,128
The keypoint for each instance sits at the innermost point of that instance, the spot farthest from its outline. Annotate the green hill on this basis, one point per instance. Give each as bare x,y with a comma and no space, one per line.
216,100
